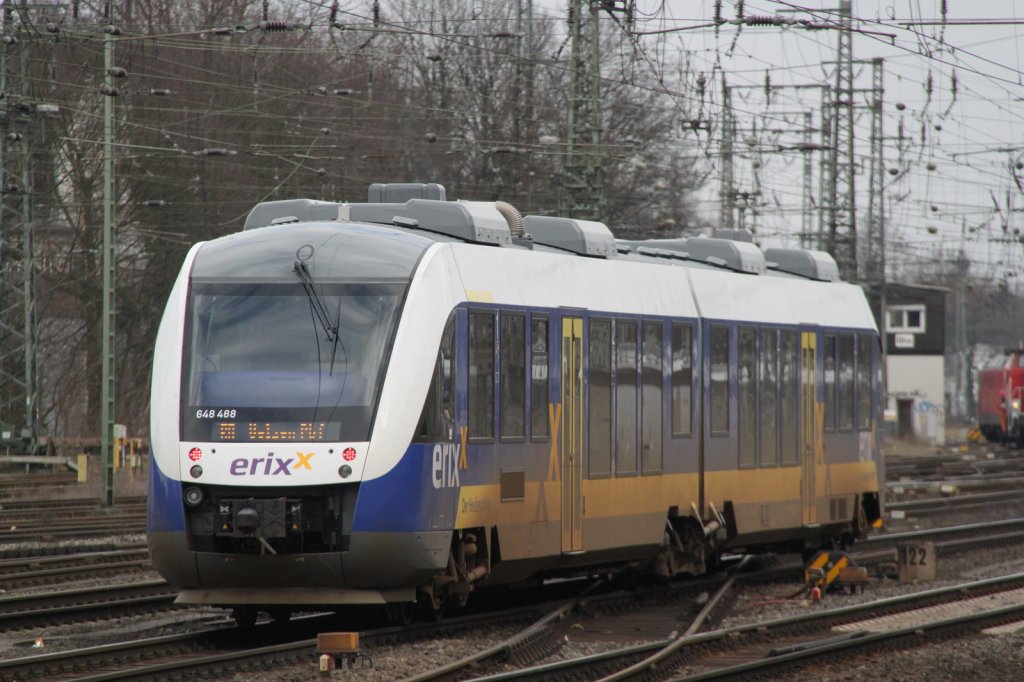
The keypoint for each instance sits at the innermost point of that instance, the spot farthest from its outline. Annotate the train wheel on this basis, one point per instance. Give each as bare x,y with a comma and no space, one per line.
245,616
430,609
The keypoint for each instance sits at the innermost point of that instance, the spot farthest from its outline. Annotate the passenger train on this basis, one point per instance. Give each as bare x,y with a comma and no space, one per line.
403,401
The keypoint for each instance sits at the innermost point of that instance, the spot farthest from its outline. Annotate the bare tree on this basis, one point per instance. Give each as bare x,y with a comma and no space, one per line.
216,114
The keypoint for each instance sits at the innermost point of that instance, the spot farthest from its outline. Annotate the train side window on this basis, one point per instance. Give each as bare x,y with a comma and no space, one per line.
846,382
437,423
625,397
719,380
768,383
481,375
789,399
830,382
652,377
599,399
863,382
539,378
682,379
512,354
747,386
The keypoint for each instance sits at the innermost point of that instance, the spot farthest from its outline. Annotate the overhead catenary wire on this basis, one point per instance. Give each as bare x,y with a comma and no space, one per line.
192,41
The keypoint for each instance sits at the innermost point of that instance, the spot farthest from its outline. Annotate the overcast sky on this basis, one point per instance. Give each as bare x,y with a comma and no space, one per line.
954,184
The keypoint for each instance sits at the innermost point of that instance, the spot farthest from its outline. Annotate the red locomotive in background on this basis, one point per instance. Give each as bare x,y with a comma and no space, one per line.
1000,396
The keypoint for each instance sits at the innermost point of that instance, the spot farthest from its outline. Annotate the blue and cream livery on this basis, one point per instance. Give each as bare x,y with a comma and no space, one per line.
408,399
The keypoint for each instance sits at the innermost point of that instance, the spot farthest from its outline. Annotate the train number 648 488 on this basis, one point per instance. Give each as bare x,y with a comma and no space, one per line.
216,414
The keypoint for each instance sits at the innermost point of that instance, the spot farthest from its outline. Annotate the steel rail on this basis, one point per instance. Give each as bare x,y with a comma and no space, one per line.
179,649
846,644
933,504
11,581
664,650
88,557
15,610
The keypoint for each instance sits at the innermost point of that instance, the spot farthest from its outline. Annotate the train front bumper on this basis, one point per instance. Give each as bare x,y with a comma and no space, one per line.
377,568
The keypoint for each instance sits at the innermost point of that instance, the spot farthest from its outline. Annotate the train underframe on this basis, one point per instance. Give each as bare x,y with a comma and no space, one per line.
287,560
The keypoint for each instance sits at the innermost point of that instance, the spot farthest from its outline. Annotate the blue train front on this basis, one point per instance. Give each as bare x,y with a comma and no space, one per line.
399,401
270,364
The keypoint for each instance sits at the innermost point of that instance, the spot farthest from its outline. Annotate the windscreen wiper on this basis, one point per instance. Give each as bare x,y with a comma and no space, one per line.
316,302
320,310
337,337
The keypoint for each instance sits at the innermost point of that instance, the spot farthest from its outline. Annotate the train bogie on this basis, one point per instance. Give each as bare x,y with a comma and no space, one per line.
381,403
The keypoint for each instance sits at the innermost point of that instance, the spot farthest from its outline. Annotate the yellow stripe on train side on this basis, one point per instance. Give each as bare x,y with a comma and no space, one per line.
482,505
777,484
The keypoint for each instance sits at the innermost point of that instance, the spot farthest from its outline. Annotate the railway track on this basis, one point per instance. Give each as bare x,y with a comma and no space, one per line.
52,530
127,659
935,486
49,520
225,649
664,621
646,614
732,653
993,460
70,606
672,610
73,505
944,504
962,536
36,480
24,551
21,573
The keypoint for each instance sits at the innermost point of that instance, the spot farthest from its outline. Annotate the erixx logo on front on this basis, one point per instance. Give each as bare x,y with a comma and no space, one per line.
270,465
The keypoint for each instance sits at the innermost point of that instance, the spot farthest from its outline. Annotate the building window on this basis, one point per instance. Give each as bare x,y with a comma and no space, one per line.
481,375
513,376
682,379
599,398
905,318
539,378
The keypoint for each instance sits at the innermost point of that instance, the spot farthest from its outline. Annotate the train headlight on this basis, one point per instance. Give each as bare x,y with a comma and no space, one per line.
1016,405
193,496
196,471
345,471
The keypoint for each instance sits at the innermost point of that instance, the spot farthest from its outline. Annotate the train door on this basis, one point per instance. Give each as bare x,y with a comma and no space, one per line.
809,434
571,430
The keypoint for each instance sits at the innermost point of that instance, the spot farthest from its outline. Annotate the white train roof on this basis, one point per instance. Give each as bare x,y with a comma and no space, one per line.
581,261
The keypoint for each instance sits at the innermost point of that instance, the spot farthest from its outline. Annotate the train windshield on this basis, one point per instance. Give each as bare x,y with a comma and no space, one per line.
271,362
